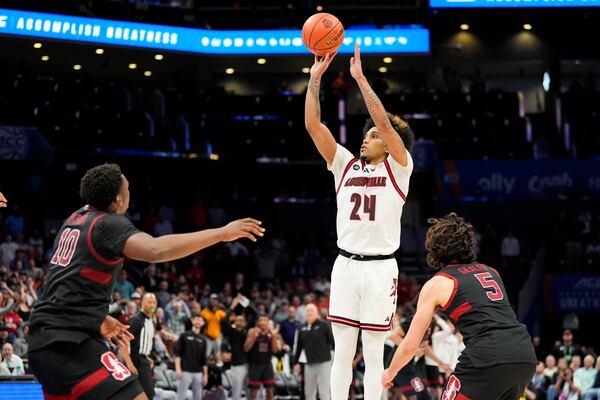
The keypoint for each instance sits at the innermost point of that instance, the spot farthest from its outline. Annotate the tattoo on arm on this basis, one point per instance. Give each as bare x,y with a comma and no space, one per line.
314,87
374,105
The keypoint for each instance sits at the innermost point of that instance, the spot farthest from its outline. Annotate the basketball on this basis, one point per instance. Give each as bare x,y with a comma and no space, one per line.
323,33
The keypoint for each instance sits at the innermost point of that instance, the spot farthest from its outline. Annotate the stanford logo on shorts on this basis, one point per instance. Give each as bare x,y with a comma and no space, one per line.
452,388
417,385
114,366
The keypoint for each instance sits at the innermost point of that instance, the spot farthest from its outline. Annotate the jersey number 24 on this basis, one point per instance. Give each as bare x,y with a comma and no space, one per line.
368,206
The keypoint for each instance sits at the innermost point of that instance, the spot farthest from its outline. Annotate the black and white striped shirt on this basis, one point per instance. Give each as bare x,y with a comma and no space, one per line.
142,328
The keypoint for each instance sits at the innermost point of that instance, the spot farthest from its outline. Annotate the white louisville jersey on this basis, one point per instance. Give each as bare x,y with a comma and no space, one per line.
369,200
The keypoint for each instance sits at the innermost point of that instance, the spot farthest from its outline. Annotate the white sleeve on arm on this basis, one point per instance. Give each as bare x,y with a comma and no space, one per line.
340,162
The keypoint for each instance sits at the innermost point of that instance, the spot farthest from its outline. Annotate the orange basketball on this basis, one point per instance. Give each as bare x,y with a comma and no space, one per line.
323,33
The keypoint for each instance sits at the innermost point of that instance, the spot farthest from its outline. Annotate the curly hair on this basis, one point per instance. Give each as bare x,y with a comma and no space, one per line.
400,126
450,240
100,185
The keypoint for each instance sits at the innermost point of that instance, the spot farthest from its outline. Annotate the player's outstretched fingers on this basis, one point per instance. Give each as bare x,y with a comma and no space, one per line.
127,335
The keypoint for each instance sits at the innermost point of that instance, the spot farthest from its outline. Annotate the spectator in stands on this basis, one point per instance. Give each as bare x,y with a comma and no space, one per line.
540,352
149,279
8,249
5,335
551,369
123,286
12,322
163,227
538,387
236,336
6,298
584,379
567,348
190,360
261,343
510,248
575,363
3,370
130,311
12,362
177,315
195,274
213,314
312,347
301,310
239,286
15,222
214,389
163,296
20,344
563,388
198,218
289,326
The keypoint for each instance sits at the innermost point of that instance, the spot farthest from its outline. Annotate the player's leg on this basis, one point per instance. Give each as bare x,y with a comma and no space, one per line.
346,338
518,376
343,313
253,392
89,369
197,385
183,385
128,392
378,304
373,342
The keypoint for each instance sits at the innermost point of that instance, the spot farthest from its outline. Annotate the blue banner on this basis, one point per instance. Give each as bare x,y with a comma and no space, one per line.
511,3
573,293
501,179
23,143
413,39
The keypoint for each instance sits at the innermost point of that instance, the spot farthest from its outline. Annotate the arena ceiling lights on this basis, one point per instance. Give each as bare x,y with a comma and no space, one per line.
411,39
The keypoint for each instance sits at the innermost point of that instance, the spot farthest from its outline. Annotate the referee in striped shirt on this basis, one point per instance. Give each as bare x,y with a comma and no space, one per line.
141,325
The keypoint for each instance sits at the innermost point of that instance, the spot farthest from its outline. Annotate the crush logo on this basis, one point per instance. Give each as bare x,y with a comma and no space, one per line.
452,388
114,366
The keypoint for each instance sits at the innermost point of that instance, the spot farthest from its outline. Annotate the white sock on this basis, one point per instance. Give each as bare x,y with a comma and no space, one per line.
373,342
346,338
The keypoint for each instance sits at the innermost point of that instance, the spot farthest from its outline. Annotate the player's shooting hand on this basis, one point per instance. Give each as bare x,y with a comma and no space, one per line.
242,228
355,63
321,64
3,200
386,379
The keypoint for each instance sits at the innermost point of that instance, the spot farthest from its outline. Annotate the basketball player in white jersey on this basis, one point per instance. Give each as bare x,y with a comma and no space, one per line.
371,191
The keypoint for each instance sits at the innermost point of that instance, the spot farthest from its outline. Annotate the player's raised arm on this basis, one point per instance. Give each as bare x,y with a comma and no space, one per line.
319,133
394,143
143,247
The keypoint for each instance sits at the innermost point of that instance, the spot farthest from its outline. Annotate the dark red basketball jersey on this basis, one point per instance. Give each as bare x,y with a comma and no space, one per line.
481,312
86,259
